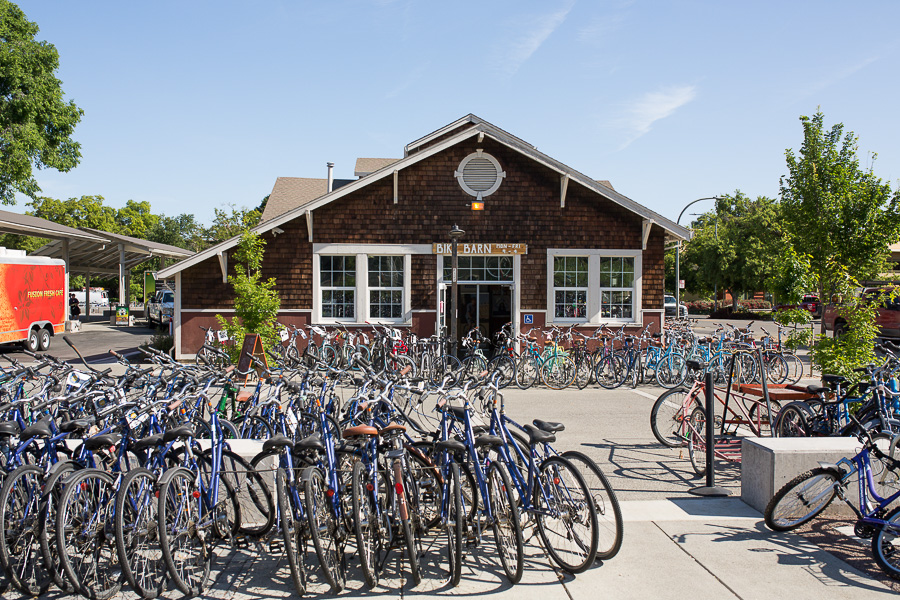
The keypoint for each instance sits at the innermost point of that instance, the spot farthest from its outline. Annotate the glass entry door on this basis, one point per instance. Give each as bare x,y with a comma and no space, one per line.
485,306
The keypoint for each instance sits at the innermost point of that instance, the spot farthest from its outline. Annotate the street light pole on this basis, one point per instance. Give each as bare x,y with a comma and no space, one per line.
678,254
455,235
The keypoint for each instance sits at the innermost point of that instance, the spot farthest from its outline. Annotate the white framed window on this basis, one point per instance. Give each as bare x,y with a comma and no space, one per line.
593,285
570,287
355,283
337,286
385,287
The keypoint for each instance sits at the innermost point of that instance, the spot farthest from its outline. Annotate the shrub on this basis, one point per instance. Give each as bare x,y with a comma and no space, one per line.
162,342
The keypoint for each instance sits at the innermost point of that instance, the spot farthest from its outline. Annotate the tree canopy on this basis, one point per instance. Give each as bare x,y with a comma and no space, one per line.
36,123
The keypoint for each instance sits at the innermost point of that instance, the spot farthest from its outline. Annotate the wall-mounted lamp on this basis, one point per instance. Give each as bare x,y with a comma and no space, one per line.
277,231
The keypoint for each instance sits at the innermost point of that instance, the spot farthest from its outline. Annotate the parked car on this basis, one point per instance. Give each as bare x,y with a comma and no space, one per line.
669,303
161,308
809,302
888,319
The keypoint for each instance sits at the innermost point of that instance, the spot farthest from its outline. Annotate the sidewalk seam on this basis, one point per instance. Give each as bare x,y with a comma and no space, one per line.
716,577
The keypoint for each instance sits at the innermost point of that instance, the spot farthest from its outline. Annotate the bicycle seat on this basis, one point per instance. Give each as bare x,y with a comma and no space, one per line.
102,441
392,429
817,389
40,429
488,440
834,379
185,431
9,428
76,425
451,446
696,365
277,442
359,431
549,427
536,436
147,442
243,396
312,442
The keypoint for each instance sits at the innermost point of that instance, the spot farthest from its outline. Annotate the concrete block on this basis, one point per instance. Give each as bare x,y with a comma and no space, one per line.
768,463
73,326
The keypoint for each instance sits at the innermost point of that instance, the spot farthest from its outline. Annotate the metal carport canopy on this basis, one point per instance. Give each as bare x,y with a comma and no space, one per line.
29,225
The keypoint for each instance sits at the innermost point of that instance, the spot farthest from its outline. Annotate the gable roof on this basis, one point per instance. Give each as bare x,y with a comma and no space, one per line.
367,166
478,127
292,192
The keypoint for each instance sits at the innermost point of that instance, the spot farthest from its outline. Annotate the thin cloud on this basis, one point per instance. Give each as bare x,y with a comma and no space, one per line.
652,107
529,34
414,75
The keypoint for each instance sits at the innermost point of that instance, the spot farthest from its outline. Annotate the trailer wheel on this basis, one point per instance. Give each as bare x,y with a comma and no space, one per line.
44,339
33,343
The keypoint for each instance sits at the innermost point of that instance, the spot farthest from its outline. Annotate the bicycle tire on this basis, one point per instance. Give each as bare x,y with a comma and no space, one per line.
19,512
584,371
323,528
668,414
473,366
506,524
507,368
526,371
140,556
886,545
446,366
178,510
793,421
369,543
292,526
253,427
610,372
558,372
256,506
454,525
696,441
87,552
610,525
795,367
567,521
801,499
671,370
53,491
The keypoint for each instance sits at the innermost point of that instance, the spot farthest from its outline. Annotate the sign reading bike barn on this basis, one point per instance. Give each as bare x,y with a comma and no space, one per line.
466,249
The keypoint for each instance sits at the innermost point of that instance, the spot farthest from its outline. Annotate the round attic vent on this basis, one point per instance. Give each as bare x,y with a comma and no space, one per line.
479,174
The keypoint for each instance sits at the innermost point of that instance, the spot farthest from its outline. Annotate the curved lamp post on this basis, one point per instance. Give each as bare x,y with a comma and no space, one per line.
456,234
678,254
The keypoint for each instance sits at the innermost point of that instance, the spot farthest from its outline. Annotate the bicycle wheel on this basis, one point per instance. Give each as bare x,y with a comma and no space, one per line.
669,413
186,550
292,526
886,545
609,514
446,366
507,368
584,370
558,372
137,542
453,526
84,533
801,499
795,367
253,427
506,524
370,545
473,366
696,441
53,491
526,371
793,421
610,372
256,506
567,521
776,369
323,529
20,552
671,370
329,355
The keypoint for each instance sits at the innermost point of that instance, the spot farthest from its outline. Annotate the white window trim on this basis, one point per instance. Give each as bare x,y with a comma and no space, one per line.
361,305
593,299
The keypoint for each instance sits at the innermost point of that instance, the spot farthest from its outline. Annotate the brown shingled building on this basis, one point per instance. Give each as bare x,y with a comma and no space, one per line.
551,245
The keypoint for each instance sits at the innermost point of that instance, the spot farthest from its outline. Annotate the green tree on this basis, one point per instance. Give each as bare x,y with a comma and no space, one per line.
733,247
231,222
87,211
256,301
837,216
36,124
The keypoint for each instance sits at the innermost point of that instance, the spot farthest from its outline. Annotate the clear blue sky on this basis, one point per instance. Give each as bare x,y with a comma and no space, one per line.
194,104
